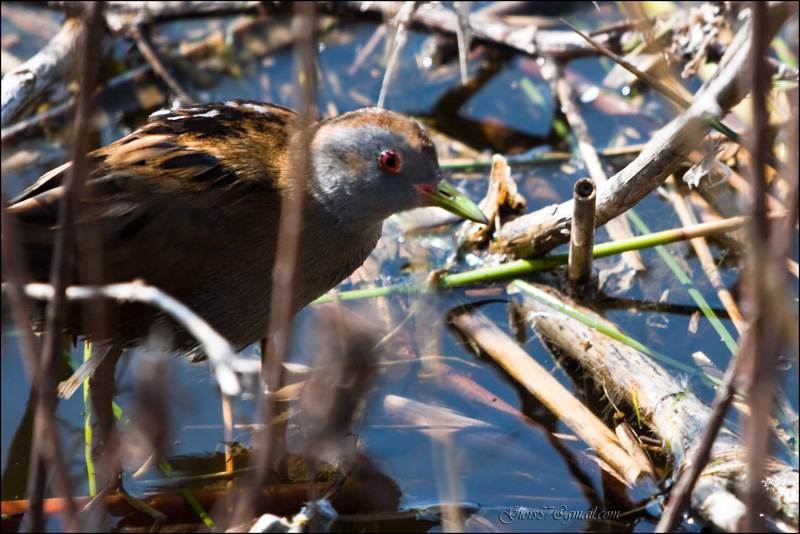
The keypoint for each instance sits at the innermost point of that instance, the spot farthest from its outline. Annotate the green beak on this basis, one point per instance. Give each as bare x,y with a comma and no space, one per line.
448,197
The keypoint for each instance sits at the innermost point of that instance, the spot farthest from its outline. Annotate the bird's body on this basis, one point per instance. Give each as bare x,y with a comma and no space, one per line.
191,203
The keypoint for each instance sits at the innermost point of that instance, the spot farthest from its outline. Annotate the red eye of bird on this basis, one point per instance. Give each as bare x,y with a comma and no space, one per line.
390,161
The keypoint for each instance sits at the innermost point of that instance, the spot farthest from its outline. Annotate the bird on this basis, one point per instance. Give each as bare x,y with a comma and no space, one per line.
190,202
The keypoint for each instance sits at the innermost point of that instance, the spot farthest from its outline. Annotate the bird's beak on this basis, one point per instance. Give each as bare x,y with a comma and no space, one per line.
448,197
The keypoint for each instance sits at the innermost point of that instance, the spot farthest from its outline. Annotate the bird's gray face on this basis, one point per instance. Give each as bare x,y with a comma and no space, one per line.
371,163
368,165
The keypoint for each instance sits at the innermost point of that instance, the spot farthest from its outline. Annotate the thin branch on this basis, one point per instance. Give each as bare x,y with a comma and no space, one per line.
30,80
617,228
760,360
220,352
141,33
46,443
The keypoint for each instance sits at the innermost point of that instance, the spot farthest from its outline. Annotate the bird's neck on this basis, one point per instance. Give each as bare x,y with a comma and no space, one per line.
346,211
334,215
332,249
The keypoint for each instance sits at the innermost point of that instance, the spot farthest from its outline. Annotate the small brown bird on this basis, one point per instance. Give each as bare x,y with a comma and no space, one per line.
190,202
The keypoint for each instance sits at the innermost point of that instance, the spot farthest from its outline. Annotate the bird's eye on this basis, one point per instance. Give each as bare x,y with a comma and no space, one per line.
390,161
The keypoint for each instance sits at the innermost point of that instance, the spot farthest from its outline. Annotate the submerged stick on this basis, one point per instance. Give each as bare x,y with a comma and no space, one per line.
667,406
552,394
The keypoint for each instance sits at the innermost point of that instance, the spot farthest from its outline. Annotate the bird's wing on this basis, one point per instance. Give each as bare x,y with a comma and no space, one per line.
175,174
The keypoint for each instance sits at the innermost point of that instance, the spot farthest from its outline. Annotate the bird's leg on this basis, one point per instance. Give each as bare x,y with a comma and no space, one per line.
102,388
278,420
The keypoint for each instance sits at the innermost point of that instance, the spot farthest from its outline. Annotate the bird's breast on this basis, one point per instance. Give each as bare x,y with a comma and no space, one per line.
328,257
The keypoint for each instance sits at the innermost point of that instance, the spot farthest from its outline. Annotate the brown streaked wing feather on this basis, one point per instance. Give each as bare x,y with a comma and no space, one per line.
161,180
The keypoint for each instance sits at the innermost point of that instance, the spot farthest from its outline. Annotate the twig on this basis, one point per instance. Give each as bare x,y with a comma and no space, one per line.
582,241
738,182
526,39
680,495
291,208
269,441
617,228
396,43
700,245
220,353
28,81
140,32
13,133
529,40
501,193
650,80
760,357
464,36
520,267
46,443
653,82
